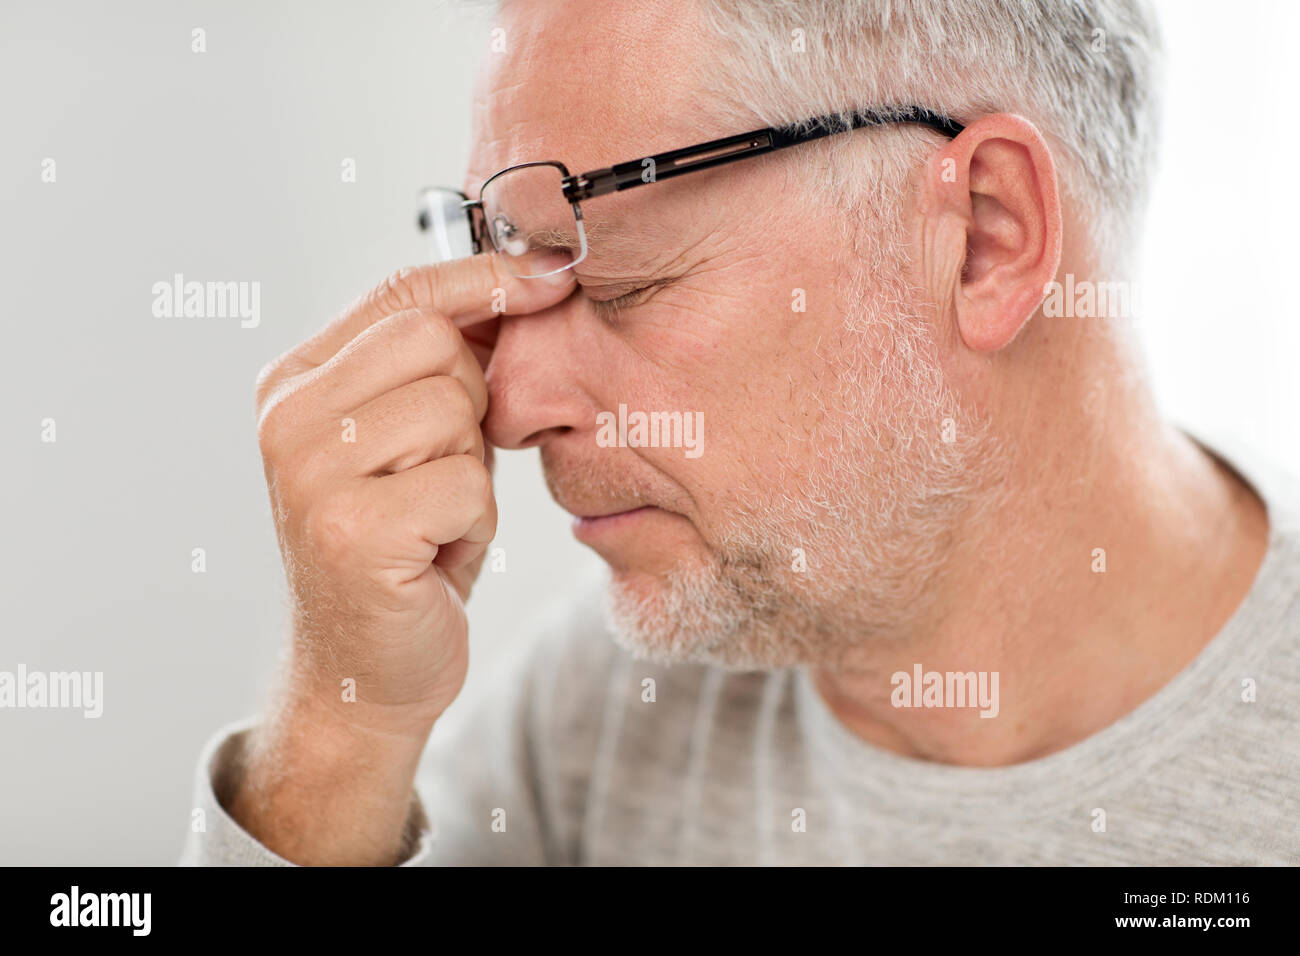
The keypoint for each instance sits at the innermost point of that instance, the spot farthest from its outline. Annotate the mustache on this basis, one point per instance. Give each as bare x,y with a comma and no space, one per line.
598,485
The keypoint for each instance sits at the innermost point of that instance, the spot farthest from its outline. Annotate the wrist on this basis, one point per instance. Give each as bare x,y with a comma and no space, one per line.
319,788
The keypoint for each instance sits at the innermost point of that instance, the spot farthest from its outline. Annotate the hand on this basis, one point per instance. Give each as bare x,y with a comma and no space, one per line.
380,485
382,495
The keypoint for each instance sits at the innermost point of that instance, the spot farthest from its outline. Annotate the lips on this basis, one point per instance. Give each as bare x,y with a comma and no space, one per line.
597,515
597,529
590,509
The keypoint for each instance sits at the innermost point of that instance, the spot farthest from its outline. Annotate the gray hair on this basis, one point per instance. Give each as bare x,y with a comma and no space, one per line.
1085,72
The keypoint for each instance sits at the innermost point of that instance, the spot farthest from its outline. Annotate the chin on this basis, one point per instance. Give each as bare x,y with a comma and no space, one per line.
699,613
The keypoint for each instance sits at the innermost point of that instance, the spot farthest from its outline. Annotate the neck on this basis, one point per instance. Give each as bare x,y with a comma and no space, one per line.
1113,553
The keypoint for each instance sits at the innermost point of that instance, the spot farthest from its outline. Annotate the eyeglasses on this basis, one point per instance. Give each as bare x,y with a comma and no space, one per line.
536,206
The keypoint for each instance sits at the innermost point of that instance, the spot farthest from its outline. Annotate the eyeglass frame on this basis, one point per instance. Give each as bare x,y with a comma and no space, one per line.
687,159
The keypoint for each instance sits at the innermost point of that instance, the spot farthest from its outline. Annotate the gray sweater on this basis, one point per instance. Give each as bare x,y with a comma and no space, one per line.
566,761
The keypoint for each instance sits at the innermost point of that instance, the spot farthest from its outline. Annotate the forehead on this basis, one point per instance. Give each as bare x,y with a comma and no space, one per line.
589,83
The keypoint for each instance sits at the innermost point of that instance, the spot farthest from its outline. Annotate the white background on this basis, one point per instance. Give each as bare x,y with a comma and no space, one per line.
226,166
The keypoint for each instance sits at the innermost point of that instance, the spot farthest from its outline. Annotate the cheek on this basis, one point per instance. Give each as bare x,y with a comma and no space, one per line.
749,368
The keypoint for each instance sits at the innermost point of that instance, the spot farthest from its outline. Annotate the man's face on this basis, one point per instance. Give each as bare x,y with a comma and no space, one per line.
809,514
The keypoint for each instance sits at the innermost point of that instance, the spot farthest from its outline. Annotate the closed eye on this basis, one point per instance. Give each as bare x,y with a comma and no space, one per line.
609,310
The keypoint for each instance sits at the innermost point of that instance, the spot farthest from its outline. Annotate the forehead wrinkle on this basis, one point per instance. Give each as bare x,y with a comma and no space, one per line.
557,112
600,124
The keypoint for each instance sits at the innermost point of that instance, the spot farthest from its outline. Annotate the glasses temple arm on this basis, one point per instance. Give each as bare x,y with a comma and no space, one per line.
639,172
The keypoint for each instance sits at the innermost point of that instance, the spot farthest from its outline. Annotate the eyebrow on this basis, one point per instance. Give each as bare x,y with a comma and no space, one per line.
603,227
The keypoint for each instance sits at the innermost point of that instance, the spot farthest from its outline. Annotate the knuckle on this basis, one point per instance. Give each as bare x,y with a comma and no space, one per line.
451,400
497,272
443,335
475,443
268,379
406,288
490,510
272,426
262,386
475,478
273,376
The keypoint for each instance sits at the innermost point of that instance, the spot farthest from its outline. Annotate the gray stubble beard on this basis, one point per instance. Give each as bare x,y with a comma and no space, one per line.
874,515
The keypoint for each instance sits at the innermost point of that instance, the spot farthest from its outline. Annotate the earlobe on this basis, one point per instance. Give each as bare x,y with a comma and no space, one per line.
996,183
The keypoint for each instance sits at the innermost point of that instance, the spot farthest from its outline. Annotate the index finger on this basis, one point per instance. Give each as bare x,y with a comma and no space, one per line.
467,291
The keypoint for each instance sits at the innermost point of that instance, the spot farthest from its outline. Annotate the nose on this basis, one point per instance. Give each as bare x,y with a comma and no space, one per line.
534,392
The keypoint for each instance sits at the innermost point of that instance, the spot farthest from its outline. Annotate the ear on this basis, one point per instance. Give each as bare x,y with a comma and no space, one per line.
991,221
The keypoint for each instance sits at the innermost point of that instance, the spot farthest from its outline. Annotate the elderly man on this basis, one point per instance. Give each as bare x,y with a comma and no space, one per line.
904,567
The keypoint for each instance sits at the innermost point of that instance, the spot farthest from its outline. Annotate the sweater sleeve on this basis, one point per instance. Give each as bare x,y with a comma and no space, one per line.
216,839
503,780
